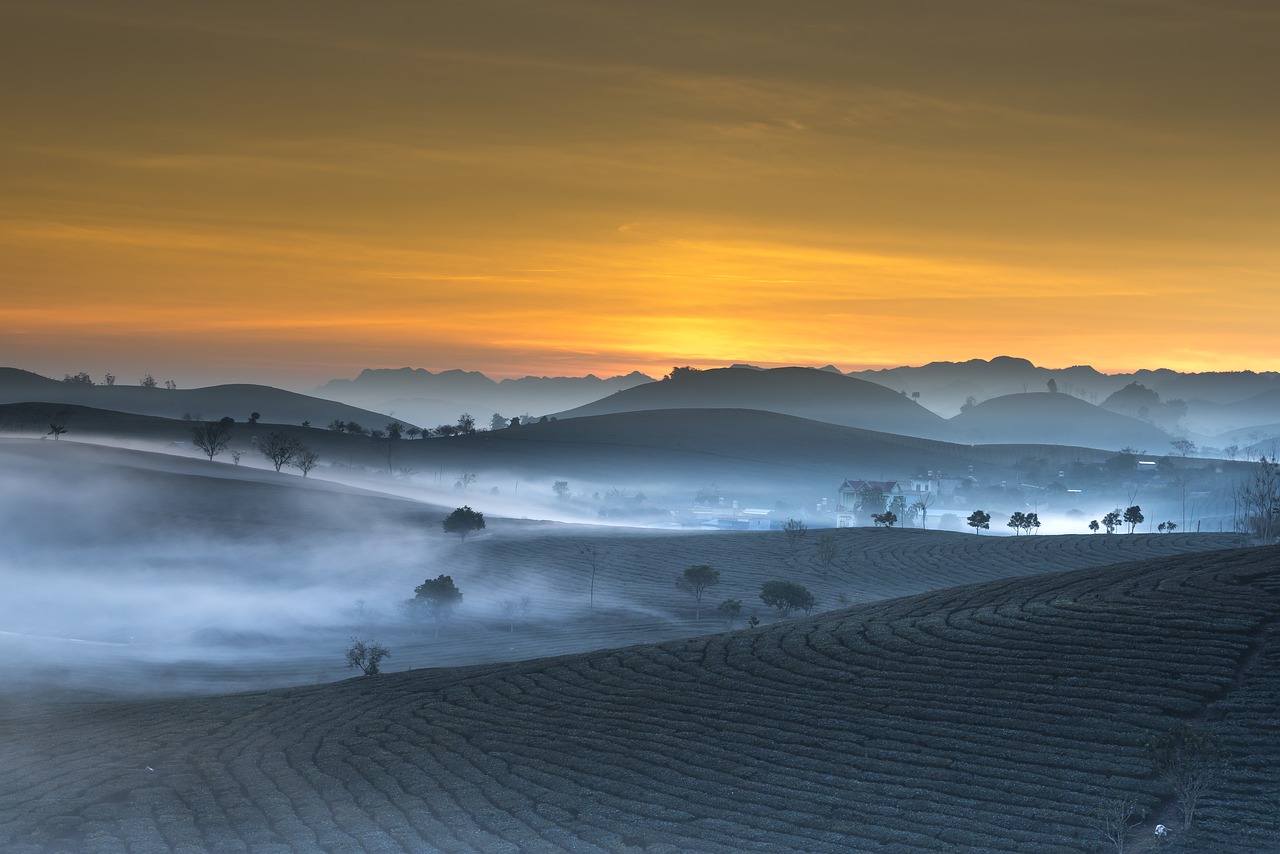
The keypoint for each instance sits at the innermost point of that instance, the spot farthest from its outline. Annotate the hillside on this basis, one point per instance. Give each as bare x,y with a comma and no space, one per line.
1056,419
427,398
237,401
995,717
803,392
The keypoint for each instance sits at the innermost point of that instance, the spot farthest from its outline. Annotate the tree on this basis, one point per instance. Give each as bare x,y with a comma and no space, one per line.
279,449
439,596
695,581
497,422
922,505
827,550
561,489
148,382
253,417
1116,819
1232,451
211,437
305,460
1133,517
979,520
109,379
1183,447
795,531
1053,385
1258,500
56,429
463,521
1188,760
366,655
887,518
1111,521
466,424
596,559
385,447
81,378
395,430
787,596
730,609
869,500
1031,522
1017,521
464,480
1093,526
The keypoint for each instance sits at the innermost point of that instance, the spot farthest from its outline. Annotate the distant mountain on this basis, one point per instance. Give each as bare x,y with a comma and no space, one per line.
1056,419
803,392
238,401
945,386
423,397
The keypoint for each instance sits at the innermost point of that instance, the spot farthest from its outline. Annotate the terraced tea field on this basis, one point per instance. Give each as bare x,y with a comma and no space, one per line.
989,717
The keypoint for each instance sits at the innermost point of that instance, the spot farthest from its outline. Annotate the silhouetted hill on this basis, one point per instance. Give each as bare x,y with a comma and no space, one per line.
996,717
1255,412
1056,419
430,398
212,403
803,392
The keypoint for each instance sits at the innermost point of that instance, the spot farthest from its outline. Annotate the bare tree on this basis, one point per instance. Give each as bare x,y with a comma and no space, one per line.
795,531
279,449
1188,760
211,437
922,505
596,559
827,550
1116,819
366,655
305,460
1259,500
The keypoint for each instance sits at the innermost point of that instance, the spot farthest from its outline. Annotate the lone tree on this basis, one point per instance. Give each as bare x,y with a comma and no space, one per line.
211,437
922,505
439,596
730,609
561,489
1093,526
1188,760
306,460
1016,521
1133,517
463,521
795,531
279,449
695,581
596,559
828,549
366,655
979,520
56,429
787,596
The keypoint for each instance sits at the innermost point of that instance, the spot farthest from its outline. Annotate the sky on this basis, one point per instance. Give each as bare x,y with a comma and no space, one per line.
294,191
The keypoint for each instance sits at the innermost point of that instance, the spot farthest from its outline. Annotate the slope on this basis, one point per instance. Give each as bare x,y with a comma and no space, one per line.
996,717
803,392
1056,419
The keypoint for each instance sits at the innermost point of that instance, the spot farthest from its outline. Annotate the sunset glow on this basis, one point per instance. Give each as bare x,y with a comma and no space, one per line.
294,193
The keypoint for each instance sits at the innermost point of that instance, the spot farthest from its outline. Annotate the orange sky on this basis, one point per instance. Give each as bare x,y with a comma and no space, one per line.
290,191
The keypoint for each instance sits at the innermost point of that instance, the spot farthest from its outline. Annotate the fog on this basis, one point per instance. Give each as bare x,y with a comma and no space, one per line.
127,573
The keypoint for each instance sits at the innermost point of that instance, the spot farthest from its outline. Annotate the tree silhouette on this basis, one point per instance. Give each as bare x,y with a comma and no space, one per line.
366,655
439,596
279,449
211,437
463,521
795,531
979,520
1133,517
787,596
695,581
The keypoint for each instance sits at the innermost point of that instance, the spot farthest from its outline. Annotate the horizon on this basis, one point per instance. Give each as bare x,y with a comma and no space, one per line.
306,385
549,190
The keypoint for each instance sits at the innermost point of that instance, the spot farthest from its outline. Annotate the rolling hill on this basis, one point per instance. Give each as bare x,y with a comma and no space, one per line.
237,401
803,392
991,717
1056,419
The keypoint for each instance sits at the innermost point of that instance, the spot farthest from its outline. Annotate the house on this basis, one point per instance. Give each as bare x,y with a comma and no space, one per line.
847,503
